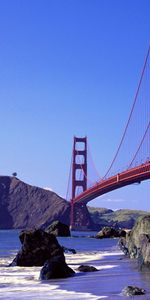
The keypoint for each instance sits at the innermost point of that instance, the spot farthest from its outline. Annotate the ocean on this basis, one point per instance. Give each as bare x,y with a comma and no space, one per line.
115,271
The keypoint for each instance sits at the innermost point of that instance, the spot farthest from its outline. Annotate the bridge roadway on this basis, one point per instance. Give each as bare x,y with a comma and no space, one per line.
133,175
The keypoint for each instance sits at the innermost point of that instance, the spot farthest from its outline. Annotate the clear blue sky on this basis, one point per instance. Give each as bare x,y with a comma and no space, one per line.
69,67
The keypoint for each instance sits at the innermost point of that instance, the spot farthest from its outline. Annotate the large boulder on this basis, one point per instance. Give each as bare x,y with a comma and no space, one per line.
37,247
137,242
58,229
55,267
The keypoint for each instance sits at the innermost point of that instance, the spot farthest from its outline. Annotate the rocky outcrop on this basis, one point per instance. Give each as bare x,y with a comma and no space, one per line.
37,247
137,242
58,229
41,248
109,232
25,206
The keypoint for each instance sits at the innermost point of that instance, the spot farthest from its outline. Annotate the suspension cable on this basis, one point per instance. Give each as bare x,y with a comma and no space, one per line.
145,133
131,112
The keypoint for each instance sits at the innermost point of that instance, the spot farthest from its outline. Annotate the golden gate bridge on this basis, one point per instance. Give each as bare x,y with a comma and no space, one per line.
130,164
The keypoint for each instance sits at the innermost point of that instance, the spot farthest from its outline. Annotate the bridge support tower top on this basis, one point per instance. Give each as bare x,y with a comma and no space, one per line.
79,165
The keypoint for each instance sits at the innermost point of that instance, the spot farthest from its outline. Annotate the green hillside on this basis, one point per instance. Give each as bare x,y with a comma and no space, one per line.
123,218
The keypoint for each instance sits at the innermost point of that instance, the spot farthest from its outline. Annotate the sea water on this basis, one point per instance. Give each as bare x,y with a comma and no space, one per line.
114,271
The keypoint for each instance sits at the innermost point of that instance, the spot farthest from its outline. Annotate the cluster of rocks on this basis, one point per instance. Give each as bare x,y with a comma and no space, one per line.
40,248
136,244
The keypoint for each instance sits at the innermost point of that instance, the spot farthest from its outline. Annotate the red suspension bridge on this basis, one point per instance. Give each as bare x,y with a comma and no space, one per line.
131,162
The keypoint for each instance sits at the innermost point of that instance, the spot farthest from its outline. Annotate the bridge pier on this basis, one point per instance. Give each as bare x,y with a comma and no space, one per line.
80,219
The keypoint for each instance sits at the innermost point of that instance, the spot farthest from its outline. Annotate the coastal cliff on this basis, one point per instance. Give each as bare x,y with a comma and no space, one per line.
26,206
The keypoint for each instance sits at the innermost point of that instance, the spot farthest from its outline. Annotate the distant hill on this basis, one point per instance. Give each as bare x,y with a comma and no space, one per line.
26,206
123,218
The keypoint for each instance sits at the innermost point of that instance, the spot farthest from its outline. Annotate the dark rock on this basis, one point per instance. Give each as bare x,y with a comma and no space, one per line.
133,290
122,245
55,267
108,232
37,247
25,206
84,268
58,229
66,250
137,242
121,233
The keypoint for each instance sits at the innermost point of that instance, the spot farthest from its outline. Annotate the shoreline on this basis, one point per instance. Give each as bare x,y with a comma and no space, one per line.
115,271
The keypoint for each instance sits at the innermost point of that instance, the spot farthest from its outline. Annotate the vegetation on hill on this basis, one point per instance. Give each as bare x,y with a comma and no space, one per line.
122,218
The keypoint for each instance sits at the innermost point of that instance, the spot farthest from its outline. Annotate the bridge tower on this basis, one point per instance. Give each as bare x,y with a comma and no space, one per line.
79,179
79,218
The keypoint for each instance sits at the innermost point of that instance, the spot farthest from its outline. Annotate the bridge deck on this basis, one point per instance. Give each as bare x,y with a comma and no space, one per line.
104,186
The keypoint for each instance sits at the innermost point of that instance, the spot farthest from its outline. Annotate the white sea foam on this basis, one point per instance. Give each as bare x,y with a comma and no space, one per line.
83,257
22,283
